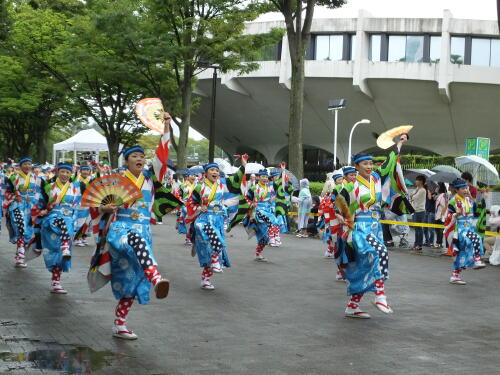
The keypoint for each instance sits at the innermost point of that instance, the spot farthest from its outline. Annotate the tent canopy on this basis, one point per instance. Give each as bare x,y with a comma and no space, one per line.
86,140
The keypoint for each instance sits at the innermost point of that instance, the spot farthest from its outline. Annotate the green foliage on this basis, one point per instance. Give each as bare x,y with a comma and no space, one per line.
316,188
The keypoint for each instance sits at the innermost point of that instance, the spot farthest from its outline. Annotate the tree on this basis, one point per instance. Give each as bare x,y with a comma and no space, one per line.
69,45
196,31
298,16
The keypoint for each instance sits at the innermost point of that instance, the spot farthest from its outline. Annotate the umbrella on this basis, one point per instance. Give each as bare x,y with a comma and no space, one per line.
443,177
447,169
198,169
291,177
482,170
411,174
224,165
253,168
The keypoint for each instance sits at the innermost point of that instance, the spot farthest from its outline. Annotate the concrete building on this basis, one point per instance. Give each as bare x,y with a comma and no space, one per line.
440,74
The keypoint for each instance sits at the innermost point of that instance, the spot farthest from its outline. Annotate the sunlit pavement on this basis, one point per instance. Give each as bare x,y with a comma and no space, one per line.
281,317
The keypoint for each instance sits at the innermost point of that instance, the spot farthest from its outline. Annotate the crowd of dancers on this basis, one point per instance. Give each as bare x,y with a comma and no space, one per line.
44,216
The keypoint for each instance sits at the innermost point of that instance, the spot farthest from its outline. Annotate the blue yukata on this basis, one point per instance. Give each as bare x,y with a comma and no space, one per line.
83,218
466,243
263,220
209,232
21,195
361,253
58,225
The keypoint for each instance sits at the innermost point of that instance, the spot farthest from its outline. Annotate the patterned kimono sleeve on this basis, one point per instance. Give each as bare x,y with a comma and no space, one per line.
480,212
450,227
347,204
281,190
233,183
243,207
193,205
394,191
164,200
42,200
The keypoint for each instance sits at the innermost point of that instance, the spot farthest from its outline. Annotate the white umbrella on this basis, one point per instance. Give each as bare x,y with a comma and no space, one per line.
447,169
253,168
481,169
224,165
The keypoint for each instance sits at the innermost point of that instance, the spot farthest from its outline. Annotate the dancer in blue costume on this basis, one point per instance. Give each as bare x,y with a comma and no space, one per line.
281,223
363,256
206,211
185,191
22,192
133,267
460,229
262,218
83,213
57,208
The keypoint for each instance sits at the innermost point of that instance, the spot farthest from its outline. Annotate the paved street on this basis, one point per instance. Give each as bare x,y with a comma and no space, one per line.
284,317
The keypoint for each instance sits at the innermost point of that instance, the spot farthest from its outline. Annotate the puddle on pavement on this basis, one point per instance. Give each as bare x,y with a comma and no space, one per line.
67,359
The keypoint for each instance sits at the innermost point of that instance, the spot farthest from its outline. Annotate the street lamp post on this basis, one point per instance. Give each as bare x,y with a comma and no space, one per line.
211,136
336,105
364,121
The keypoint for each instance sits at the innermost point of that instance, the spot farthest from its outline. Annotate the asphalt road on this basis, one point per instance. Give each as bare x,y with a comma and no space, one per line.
283,317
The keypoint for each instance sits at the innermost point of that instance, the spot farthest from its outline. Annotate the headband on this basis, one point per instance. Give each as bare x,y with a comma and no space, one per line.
347,170
128,151
24,160
67,166
206,167
359,158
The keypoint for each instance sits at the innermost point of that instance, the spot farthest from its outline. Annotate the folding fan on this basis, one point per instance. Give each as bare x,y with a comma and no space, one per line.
110,189
385,140
150,112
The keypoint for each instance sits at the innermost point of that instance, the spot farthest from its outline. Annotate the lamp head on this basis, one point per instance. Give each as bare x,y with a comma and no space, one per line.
337,104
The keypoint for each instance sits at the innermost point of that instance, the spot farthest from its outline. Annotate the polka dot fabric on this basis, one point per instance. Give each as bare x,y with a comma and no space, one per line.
139,245
476,242
215,243
383,254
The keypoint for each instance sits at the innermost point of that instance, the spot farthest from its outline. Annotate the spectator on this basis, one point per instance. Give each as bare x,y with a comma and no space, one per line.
312,224
305,203
472,189
418,199
430,214
492,244
440,213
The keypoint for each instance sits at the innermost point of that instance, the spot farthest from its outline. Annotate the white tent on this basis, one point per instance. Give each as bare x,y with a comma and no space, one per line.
86,140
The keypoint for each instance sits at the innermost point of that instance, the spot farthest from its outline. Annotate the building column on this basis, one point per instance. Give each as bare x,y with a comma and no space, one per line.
445,69
361,55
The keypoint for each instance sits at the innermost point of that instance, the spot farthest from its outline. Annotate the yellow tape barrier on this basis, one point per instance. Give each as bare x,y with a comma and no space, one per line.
411,224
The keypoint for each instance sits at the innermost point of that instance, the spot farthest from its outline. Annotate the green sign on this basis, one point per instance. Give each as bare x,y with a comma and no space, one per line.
478,146
483,148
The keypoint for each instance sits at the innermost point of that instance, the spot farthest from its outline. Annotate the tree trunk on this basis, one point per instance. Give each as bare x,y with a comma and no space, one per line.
295,123
185,118
113,145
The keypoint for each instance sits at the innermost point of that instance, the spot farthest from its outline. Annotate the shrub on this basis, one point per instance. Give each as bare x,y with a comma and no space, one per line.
316,188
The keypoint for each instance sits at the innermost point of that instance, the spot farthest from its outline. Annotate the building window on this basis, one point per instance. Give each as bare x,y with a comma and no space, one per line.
414,48
480,52
457,51
397,48
353,47
435,49
271,52
406,48
495,52
329,47
375,43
